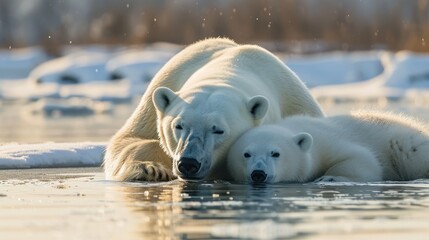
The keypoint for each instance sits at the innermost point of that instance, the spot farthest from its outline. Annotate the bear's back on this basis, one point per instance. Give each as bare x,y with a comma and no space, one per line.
372,129
184,64
372,125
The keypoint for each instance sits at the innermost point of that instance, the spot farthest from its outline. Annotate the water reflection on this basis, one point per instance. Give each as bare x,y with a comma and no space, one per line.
209,210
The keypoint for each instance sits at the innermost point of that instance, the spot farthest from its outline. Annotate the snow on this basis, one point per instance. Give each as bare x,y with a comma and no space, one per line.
405,75
137,65
118,74
336,68
16,156
80,67
99,73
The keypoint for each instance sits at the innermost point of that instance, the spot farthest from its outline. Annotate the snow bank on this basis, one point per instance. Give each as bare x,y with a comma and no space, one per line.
51,155
406,70
99,74
405,75
80,67
336,68
120,74
137,65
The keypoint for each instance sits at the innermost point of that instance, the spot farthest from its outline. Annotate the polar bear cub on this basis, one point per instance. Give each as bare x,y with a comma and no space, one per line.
364,146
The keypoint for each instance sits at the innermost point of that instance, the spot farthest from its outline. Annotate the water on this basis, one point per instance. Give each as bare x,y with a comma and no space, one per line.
79,204
222,210
18,124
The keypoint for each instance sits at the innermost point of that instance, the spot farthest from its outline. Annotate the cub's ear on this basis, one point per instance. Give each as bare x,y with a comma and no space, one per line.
258,107
162,97
304,141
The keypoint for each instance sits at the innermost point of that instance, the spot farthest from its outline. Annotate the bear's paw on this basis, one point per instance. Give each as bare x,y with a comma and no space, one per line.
153,172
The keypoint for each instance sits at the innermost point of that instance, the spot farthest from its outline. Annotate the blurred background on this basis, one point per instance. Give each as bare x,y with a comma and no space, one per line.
75,70
330,24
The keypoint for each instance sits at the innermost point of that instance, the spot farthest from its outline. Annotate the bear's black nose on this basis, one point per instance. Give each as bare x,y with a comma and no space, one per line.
258,176
188,166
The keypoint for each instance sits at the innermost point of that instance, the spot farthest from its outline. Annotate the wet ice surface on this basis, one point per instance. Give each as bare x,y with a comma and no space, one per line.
223,210
20,124
87,207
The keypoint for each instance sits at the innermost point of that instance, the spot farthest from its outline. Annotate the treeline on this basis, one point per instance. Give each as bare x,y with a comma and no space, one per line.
336,24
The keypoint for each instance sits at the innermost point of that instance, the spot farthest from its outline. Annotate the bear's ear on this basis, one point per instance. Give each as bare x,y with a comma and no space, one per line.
304,141
162,97
258,107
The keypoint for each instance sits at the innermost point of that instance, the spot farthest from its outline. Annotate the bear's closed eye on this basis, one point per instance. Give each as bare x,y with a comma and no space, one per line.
275,154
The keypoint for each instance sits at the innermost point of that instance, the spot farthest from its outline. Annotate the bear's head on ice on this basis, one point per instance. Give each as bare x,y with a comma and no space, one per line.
196,129
269,154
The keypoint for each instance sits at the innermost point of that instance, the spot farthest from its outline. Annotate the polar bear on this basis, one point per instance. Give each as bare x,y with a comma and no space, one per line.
197,105
364,146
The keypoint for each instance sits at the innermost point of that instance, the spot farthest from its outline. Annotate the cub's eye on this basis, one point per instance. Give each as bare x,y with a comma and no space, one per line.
247,155
179,127
275,154
217,131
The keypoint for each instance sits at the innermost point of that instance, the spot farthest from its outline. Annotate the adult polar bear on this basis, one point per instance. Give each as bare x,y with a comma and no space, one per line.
197,105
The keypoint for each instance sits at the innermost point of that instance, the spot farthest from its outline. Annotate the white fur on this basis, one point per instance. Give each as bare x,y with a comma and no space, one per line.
212,86
363,146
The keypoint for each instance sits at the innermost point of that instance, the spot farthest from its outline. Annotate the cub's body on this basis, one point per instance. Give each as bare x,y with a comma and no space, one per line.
362,146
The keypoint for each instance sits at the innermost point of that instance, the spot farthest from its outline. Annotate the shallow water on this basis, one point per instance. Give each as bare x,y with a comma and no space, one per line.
223,210
18,124
66,206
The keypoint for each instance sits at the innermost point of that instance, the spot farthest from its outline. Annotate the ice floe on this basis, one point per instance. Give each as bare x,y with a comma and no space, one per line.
44,155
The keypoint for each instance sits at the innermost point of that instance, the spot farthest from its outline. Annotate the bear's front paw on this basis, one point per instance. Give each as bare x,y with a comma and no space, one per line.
332,179
154,172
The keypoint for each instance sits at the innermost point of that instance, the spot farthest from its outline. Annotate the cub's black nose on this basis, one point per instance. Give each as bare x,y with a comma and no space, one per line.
188,166
258,176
